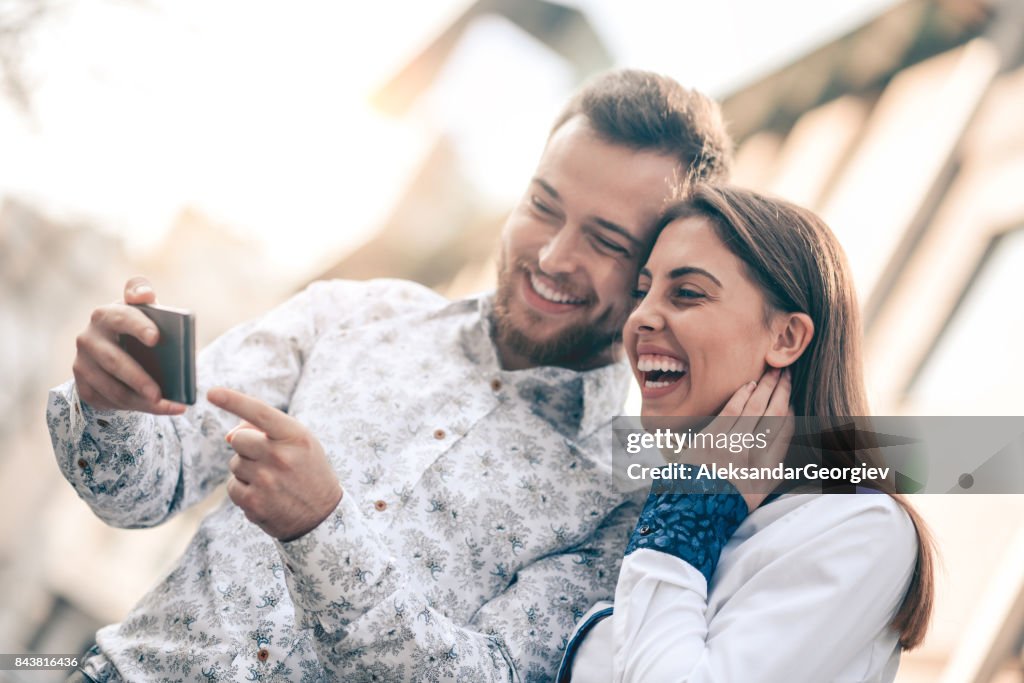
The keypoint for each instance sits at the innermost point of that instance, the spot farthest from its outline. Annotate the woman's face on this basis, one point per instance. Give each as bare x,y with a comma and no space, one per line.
698,332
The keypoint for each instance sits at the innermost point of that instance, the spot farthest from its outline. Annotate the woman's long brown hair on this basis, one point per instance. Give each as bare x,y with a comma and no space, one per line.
798,264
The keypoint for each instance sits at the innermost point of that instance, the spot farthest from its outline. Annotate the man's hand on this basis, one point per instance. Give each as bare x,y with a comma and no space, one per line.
280,476
105,375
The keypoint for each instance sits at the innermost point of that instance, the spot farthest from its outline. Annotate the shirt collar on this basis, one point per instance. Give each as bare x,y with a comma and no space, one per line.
575,403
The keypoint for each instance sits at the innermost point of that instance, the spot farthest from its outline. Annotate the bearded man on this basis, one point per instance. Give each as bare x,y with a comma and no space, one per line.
417,488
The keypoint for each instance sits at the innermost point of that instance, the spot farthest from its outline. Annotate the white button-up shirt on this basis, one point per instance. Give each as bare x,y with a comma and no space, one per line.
800,591
478,521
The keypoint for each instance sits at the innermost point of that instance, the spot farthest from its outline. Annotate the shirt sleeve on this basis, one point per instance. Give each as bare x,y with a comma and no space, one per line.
801,617
138,470
369,620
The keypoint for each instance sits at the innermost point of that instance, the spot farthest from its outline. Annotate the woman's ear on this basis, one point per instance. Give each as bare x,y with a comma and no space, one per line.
791,333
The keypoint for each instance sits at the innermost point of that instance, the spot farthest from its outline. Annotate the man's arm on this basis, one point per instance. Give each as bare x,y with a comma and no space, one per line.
137,469
370,621
366,616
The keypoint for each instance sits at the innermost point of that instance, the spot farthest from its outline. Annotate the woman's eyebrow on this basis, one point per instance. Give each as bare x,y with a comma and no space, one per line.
691,270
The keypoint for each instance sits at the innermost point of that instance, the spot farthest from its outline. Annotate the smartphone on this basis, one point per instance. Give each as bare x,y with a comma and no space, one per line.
172,362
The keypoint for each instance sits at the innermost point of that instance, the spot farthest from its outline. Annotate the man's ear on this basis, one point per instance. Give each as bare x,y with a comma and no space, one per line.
791,333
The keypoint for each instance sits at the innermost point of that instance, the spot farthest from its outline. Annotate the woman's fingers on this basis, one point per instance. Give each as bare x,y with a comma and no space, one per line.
759,398
732,411
782,397
757,403
779,411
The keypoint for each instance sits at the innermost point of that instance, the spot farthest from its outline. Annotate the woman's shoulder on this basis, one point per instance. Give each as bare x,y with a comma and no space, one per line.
864,544
872,521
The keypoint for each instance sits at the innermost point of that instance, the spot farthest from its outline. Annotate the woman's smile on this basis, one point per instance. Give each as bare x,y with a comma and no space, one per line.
659,371
699,330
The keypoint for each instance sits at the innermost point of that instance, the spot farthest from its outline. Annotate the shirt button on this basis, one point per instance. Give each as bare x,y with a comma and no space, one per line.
381,505
102,423
263,654
83,463
438,434
644,530
495,384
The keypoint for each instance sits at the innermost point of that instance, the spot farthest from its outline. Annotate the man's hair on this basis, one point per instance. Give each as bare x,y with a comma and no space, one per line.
647,111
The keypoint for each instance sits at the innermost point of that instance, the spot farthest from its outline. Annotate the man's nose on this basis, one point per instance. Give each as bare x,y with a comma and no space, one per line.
561,253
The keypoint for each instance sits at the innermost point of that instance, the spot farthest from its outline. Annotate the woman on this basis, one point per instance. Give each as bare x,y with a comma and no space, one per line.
738,585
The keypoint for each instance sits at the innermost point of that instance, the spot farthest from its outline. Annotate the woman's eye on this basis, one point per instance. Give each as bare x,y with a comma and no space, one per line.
638,294
685,293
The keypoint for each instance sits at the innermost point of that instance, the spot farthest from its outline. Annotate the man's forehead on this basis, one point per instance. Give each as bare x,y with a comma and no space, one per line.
620,184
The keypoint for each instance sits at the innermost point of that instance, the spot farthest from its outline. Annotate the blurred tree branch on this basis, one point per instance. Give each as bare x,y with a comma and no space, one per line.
18,20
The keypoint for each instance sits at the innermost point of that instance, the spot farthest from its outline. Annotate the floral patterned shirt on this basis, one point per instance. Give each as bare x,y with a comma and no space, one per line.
478,521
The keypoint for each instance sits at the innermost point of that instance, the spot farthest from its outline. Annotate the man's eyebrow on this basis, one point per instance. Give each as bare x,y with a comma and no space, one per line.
691,270
617,229
606,224
547,187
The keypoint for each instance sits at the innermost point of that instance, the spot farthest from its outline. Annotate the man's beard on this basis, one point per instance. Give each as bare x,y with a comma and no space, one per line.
576,346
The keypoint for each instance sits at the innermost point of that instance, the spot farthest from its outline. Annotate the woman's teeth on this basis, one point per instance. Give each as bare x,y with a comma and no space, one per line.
652,362
660,371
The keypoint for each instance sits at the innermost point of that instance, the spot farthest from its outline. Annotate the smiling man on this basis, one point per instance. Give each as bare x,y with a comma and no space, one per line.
417,489
572,245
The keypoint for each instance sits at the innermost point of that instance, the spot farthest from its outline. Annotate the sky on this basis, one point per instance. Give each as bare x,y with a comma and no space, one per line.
260,119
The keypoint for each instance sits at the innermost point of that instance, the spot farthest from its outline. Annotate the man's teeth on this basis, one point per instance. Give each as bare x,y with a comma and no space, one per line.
552,295
652,362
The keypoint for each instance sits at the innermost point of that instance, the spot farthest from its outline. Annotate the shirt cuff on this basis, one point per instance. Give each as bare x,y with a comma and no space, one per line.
340,569
692,526
77,430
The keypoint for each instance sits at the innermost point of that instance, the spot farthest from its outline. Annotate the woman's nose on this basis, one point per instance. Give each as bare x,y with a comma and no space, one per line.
646,317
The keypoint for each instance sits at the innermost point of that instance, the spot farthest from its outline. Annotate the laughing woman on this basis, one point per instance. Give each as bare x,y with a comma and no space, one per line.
737,585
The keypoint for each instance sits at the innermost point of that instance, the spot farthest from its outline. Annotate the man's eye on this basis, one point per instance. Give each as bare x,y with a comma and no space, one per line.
540,206
610,246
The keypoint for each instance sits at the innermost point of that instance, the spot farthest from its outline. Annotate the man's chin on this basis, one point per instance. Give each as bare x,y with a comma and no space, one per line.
570,338
570,344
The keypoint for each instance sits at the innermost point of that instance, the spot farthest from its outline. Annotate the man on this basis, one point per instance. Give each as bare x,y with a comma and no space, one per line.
419,489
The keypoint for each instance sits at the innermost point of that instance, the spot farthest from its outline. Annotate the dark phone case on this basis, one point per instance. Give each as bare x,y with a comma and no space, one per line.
172,361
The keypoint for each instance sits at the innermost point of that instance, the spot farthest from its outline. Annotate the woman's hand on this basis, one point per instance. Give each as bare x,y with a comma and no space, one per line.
757,408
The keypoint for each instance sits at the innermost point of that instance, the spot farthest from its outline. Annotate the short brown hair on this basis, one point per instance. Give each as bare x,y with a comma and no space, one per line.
647,111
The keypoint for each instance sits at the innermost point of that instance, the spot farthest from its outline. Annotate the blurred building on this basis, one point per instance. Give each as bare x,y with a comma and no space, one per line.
904,134
67,573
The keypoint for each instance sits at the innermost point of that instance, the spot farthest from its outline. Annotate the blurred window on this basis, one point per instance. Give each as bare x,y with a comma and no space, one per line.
977,364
